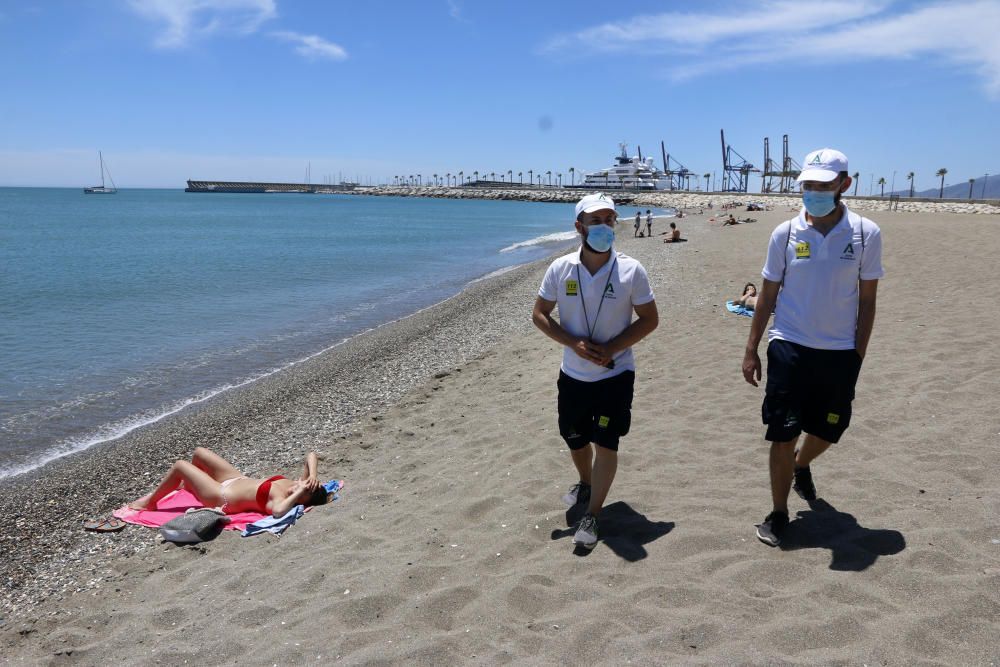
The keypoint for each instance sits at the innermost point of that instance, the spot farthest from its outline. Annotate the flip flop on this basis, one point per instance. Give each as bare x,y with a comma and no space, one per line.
108,524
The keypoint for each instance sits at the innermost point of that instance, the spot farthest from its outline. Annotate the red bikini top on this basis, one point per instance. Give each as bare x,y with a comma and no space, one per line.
264,490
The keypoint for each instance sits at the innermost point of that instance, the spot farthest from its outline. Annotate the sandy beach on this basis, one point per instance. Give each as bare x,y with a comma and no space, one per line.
450,543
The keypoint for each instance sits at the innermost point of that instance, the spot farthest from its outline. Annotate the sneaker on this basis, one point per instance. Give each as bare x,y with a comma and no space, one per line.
773,528
803,484
586,532
578,493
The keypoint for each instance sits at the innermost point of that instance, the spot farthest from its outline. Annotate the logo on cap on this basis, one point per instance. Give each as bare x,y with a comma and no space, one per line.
816,159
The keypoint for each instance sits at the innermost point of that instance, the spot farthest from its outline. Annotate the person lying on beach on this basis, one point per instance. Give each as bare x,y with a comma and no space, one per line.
217,483
749,298
675,234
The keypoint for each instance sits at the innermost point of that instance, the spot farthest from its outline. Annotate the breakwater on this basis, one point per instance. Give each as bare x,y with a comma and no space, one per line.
254,187
681,199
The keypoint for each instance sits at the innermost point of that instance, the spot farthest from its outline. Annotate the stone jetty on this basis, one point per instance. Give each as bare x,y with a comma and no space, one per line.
681,199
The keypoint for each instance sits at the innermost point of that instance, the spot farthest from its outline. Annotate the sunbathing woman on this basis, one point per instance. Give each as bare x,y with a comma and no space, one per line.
749,298
216,483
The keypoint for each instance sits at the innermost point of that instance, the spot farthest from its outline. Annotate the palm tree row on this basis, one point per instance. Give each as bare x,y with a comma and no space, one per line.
940,173
450,179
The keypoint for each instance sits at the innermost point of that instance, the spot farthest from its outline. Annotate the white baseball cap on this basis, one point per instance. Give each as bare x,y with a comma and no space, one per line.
823,165
594,202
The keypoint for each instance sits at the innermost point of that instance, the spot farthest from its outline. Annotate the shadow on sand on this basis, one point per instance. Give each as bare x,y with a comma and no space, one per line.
622,529
854,547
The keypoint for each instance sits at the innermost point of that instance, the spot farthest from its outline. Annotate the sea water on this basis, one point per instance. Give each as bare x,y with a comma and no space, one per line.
116,310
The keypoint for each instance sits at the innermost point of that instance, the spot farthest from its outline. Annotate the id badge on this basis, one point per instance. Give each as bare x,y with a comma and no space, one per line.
802,250
572,289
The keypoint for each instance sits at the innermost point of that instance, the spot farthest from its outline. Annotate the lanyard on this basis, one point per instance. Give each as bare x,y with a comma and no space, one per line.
590,332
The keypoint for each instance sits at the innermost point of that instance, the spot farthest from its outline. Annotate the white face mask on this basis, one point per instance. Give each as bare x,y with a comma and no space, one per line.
599,237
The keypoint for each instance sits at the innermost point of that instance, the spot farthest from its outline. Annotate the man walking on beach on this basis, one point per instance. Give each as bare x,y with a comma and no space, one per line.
596,290
820,280
649,224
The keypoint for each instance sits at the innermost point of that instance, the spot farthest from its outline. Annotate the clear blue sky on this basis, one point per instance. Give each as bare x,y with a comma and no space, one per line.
256,89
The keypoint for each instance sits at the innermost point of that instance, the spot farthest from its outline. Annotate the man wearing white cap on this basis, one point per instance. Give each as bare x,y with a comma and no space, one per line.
597,290
820,281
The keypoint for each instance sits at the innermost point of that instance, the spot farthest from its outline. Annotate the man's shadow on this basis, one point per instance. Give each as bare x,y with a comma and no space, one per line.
854,547
622,529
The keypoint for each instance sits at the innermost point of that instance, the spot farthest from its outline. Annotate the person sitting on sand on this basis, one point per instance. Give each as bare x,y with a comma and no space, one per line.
730,221
217,483
749,298
675,234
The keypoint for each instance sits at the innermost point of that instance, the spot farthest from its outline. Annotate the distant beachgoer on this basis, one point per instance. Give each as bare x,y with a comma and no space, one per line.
649,223
597,291
749,297
730,221
638,223
675,234
816,345
217,483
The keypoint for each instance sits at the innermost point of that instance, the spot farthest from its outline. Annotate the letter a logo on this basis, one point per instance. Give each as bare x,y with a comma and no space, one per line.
849,250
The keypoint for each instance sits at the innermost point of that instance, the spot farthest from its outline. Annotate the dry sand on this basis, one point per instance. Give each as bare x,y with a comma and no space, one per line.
450,544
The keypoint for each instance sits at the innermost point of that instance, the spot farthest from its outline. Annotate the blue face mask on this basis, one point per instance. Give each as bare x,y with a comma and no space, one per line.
818,202
600,238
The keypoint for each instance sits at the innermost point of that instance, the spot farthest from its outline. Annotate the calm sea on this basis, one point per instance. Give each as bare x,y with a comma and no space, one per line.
118,309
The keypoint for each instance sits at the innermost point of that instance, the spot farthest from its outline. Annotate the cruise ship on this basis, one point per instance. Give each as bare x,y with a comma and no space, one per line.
628,173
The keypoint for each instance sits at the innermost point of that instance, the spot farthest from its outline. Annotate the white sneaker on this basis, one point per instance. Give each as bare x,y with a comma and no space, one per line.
578,494
586,532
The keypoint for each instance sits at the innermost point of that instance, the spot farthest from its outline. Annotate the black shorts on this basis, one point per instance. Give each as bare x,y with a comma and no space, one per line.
599,412
808,390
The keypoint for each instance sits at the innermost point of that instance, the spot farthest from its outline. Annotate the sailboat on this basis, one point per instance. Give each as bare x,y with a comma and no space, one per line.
102,189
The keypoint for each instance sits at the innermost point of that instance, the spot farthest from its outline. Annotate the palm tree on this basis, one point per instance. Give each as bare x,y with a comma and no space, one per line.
549,175
435,179
971,182
572,177
941,172
856,175
493,176
520,177
909,177
881,182
476,174
706,177
530,179
510,176
559,177
461,176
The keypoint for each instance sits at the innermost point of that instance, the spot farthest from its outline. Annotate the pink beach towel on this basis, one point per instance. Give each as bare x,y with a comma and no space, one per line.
175,504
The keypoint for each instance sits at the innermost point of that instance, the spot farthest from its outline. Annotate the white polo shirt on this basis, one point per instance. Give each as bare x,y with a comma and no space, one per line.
569,283
818,304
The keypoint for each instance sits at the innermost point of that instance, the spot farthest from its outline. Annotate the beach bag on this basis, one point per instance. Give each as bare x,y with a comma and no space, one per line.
197,525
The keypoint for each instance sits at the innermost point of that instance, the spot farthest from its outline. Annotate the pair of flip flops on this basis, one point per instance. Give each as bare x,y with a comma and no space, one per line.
108,524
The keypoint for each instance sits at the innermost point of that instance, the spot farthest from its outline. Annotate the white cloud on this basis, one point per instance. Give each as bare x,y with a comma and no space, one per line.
455,10
782,31
312,47
184,20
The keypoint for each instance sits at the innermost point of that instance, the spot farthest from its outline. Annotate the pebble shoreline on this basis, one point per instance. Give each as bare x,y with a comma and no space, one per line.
264,427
